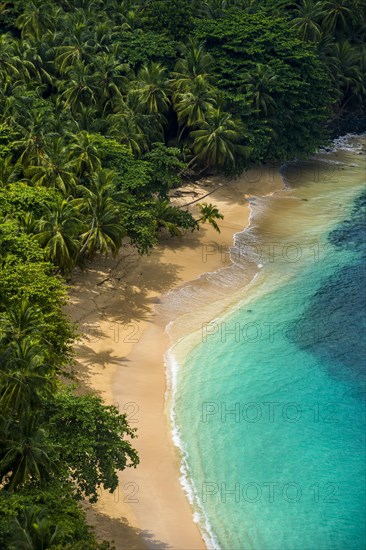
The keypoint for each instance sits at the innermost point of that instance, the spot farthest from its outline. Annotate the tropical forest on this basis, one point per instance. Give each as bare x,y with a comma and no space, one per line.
106,106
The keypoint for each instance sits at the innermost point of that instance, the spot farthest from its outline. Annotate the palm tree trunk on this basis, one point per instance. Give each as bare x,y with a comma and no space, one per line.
180,133
192,160
204,196
82,250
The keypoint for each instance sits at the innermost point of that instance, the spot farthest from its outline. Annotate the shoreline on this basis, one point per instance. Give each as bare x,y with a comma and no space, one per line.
120,304
177,354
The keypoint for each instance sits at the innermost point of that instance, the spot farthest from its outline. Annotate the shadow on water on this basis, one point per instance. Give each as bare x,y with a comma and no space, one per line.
339,306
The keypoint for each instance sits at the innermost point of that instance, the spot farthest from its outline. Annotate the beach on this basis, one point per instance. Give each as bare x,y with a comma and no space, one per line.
182,275
121,356
248,370
141,321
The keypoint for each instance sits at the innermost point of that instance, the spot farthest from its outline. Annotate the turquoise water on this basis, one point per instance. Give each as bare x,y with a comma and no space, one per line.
271,403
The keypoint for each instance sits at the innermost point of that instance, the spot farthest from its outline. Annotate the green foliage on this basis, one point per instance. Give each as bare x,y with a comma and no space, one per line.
33,281
39,444
104,107
20,199
91,438
57,499
102,213
26,451
56,232
140,222
217,141
166,168
173,17
141,46
272,80
34,530
16,246
209,213
136,74
132,176
173,219
7,137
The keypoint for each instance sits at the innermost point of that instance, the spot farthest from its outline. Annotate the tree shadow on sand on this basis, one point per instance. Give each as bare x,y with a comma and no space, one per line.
120,534
101,358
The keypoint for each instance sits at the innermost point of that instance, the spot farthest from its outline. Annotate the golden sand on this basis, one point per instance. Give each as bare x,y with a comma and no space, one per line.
121,357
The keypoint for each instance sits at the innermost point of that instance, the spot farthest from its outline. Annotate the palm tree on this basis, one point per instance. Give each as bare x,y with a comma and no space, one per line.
216,8
349,74
54,170
87,119
25,57
26,452
57,233
61,124
31,144
105,35
135,129
9,172
102,215
37,17
40,60
259,84
126,15
68,56
21,320
151,89
111,77
196,62
210,213
128,131
79,88
344,63
307,17
337,15
73,47
166,217
85,153
9,62
34,530
28,223
362,95
193,104
217,141
10,98
24,376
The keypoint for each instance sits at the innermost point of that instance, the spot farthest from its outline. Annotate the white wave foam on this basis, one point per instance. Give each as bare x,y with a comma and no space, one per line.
345,143
186,480
172,367
172,373
328,161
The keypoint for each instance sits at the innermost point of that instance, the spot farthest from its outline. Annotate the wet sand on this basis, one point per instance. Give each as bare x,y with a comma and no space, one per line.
121,357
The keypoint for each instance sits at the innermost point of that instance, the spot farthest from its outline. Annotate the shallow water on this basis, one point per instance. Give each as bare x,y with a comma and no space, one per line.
269,405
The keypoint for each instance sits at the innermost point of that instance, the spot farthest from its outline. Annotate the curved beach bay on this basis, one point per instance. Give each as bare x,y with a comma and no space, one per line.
268,396
192,282
121,356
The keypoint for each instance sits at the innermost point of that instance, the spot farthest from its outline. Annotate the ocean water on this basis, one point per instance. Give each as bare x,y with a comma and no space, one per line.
269,397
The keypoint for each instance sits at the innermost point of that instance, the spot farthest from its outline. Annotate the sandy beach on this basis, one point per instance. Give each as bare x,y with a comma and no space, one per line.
121,354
